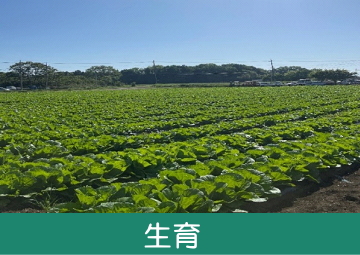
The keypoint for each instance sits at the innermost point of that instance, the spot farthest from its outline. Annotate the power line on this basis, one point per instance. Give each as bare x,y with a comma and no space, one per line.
205,61
349,64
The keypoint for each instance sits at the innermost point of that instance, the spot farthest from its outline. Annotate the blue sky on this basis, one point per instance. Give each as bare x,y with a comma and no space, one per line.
77,34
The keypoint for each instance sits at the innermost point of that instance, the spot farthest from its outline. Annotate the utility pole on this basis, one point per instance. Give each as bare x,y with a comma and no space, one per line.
154,71
47,76
21,78
272,70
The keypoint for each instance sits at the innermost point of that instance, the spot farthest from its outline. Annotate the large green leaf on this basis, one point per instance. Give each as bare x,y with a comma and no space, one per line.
167,207
233,180
177,176
115,207
191,199
144,201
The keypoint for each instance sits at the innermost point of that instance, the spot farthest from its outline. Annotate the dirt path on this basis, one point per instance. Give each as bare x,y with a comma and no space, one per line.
342,195
339,192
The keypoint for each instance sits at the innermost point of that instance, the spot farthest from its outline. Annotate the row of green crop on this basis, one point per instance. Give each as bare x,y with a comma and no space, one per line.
209,183
104,152
281,162
77,144
95,116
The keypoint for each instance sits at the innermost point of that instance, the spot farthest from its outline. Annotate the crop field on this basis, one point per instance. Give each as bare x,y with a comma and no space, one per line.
171,150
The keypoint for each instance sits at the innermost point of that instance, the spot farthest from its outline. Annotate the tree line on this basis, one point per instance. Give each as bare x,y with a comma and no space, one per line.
39,75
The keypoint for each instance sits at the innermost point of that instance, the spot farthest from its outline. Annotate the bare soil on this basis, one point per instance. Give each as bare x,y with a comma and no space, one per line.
340,195
25,210
19,206
338,192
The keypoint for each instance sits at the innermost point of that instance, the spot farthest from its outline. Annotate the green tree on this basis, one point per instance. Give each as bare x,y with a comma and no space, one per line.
334,75
339,75
319,74
294,73
33,73
191,74
132,75
104,75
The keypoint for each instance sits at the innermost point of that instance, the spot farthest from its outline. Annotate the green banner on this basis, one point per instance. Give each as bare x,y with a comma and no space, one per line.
179,234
